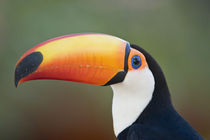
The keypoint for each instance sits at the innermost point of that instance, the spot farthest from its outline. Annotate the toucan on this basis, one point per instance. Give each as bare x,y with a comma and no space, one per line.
141,106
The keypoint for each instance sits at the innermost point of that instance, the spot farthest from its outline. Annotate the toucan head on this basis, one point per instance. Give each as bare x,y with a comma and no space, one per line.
97,59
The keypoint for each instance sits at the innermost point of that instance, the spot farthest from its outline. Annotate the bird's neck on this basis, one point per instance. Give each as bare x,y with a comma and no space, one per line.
131,97
150,113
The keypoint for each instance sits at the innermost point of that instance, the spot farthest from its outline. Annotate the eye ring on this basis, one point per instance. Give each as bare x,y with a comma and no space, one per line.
136,61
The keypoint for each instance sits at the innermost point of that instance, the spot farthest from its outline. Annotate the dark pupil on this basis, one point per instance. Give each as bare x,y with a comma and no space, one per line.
136,61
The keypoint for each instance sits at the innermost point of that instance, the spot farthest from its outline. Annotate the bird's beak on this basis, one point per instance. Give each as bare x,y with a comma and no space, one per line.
91,58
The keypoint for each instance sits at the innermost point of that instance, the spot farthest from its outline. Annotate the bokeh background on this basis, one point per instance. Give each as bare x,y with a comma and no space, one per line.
175,32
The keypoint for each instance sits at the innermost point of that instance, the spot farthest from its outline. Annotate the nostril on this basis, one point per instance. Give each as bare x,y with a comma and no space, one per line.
28,65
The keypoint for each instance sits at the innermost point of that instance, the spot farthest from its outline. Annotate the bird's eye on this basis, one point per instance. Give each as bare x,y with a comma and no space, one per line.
136,62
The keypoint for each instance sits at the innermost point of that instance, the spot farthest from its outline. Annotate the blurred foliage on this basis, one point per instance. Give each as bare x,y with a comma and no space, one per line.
175,32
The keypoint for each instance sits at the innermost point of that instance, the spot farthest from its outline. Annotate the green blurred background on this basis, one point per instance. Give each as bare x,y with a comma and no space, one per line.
175,32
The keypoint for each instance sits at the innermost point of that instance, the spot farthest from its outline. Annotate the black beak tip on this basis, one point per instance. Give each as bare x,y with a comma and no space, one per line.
16,83
28,65
16,80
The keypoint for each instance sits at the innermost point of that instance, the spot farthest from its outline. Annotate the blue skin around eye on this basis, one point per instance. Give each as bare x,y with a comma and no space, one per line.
133,65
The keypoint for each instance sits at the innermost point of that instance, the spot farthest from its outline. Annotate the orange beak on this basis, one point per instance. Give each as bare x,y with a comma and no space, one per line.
90,58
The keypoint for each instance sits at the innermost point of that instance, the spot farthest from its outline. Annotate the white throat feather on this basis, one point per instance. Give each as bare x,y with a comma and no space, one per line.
130,98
